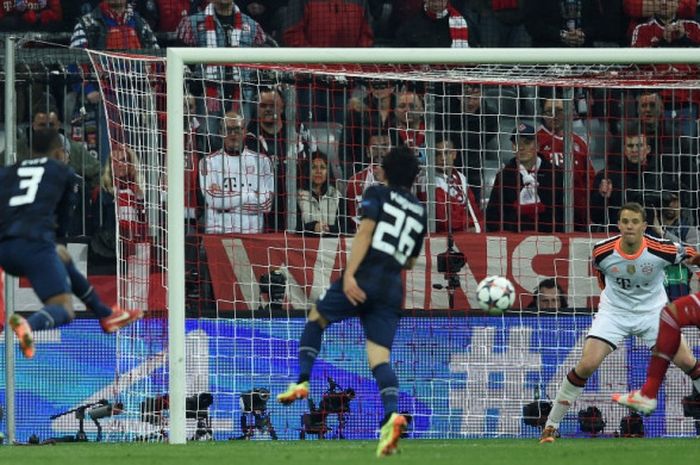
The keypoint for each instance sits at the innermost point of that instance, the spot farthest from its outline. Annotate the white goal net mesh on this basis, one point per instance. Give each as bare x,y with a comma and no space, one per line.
276,160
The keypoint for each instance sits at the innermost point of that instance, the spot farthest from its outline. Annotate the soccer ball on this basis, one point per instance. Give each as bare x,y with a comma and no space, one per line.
495,294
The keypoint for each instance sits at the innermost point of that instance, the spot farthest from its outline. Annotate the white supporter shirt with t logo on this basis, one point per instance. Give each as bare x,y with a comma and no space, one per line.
238,190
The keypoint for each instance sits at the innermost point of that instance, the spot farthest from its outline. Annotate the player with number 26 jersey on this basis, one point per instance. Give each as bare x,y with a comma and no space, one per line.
388,240
401,226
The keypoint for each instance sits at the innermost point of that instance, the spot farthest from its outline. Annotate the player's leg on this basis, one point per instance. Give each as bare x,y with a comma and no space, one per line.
309,348
111,319
49,280
670,346
380,326
332,306
594,352
606,332
393,424
47,275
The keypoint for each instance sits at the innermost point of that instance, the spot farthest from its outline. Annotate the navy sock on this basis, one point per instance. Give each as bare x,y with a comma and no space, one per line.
388,387
309,347
51,316
85,292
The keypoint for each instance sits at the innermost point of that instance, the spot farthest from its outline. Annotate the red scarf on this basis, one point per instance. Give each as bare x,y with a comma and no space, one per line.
459,31
234,34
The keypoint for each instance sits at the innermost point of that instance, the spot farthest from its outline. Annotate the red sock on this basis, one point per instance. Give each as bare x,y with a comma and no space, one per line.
669,339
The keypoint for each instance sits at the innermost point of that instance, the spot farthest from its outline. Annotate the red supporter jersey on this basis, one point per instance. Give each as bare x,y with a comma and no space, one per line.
551,147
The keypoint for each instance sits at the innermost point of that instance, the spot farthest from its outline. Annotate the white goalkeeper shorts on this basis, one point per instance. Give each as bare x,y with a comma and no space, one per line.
613,325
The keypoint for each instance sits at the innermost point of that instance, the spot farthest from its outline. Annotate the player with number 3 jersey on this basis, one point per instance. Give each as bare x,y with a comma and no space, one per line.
36,197
388,240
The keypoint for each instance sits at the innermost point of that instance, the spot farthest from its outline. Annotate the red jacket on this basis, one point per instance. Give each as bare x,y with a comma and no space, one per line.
357,185
551,148
453,200
170,13
328,23
651,33
634,9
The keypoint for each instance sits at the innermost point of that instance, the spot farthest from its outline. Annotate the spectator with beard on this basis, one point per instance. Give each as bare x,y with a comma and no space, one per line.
476,122
630,174
409,127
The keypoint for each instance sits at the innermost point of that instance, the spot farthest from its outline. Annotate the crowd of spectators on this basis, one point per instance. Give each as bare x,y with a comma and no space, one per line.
253,168
367,23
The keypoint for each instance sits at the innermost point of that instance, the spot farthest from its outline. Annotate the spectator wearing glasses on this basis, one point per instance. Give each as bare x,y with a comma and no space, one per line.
237,183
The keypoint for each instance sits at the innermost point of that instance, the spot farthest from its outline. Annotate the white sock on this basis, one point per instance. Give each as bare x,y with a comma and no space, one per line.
567,395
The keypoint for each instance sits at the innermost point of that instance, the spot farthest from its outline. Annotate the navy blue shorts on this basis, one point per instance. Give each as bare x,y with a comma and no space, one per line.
39,262
379,314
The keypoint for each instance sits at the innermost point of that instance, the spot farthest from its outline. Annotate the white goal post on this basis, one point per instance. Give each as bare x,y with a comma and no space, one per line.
178,58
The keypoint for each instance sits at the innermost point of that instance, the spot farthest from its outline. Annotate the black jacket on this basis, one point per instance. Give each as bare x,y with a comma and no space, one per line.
504,212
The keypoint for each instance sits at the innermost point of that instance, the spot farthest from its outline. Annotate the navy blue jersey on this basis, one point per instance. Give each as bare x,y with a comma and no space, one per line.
401,226
36,198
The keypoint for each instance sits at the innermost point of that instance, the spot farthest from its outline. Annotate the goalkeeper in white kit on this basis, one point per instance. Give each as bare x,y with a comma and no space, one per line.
630,268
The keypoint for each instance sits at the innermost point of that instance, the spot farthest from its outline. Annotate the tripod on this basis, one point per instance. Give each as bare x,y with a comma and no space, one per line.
97,410
449,263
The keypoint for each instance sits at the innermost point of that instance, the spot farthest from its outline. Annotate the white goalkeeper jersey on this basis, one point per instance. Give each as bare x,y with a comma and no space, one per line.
238,190
635,283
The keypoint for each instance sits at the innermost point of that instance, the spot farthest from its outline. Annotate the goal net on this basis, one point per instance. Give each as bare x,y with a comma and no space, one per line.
226,249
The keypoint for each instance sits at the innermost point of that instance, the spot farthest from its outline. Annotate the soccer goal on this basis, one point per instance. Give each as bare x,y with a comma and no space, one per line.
226,265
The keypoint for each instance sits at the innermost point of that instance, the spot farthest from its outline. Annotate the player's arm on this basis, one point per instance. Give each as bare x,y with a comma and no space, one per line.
360,245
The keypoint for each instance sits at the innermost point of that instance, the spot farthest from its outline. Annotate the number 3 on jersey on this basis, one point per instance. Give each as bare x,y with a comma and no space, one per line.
30,177
397,238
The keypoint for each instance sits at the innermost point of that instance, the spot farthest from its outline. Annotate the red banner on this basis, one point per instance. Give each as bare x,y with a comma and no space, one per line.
311,263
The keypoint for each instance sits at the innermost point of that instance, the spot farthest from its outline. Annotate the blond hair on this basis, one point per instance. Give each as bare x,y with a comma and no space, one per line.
134,164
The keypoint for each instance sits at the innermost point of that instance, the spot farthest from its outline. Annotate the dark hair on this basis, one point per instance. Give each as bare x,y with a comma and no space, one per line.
442,137
549,283
44,141
305,177
633,129
634,207
401,166
269,89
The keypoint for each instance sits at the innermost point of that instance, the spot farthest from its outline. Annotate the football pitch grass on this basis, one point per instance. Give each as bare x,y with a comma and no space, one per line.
414,452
